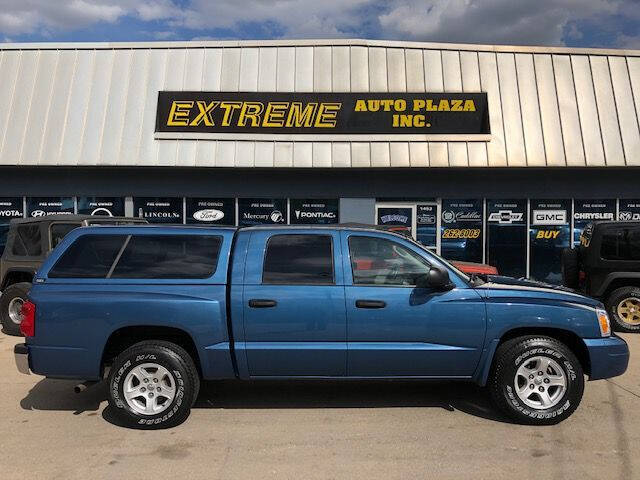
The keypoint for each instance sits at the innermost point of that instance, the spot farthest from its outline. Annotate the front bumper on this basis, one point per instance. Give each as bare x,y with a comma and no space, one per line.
609,357
21,356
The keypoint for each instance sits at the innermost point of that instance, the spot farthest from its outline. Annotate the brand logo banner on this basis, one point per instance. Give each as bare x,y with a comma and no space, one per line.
592,210
323,113
41,206
220,211
506,212
10,207
262,211
158,209
313,211
104,206
629,210
550,212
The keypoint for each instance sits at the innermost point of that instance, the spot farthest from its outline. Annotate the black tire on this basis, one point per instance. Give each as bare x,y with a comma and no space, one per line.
184,375
570,268
520,352
613,300
17,291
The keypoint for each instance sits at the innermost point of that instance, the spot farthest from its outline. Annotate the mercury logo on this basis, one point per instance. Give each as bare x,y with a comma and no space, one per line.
208,215
277,217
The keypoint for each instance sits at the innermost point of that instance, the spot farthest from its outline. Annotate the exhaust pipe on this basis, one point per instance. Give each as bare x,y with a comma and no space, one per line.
81,387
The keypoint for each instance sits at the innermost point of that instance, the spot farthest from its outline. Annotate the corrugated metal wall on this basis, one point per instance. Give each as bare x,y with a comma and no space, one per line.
77,105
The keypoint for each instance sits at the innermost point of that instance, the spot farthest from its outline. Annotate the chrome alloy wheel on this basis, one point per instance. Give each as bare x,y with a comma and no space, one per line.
15,310
629,310
540,383
149,389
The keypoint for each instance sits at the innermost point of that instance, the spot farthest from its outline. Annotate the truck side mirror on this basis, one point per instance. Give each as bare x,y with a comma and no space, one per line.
437,279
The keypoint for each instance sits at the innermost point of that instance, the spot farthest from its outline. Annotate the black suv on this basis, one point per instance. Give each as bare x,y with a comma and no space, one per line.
29,241
606,265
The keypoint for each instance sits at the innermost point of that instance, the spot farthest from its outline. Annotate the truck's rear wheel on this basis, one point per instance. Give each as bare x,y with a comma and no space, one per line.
153,384
536,380
623,305
11,301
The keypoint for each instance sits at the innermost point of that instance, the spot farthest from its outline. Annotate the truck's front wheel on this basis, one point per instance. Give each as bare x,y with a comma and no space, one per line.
11,301
153,384
536,380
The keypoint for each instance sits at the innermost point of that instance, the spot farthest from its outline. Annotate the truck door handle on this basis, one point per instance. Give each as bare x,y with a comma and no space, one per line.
261,303
370,304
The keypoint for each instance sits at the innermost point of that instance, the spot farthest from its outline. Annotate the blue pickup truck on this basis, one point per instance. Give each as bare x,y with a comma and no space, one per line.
157,309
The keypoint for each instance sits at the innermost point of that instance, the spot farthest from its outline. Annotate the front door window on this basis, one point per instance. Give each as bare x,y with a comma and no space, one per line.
377,261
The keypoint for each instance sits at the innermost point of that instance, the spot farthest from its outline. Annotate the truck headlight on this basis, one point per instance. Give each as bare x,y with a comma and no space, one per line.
603,322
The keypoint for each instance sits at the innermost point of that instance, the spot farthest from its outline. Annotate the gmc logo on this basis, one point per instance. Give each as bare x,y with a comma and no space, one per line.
549,217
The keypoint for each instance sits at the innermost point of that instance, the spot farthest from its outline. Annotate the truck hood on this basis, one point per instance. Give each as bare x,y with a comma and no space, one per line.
500,286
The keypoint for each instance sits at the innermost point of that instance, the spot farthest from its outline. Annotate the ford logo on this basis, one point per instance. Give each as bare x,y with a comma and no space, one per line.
209,215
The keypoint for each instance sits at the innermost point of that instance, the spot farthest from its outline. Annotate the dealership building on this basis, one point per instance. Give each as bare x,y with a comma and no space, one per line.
485,153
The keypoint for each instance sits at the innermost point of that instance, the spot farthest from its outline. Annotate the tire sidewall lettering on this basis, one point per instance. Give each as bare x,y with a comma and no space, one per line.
514,400
116,388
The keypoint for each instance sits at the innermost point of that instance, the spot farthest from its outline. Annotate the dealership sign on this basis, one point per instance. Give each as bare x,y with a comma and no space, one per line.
506,212
546,213
11,207
220,211
586,211
262,211
101,206
313,211
629,210
158,209
41,206
322,113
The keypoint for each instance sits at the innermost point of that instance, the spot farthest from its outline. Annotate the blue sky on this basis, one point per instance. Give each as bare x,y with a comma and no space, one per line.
589,23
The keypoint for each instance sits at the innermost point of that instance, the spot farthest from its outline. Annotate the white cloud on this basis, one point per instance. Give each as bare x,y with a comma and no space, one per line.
549,22
157,10
491,21
30,16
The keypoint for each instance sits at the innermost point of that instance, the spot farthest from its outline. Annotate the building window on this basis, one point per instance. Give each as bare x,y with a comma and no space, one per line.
549,234
461,230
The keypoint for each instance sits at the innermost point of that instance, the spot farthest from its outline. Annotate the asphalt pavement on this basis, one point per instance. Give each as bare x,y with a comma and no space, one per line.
316,430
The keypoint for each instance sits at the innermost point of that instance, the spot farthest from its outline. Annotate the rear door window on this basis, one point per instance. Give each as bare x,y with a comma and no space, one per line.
299,260
169,257
90,256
